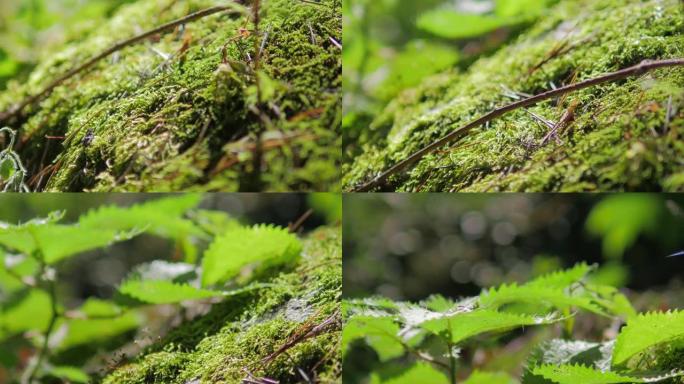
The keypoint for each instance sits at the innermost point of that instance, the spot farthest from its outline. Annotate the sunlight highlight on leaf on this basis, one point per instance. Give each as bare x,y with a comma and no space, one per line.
261,245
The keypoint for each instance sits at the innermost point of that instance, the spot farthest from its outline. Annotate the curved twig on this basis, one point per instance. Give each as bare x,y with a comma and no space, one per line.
643,67
16,109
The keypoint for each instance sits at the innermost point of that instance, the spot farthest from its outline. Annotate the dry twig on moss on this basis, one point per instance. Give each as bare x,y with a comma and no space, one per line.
307,331
643,67
15,110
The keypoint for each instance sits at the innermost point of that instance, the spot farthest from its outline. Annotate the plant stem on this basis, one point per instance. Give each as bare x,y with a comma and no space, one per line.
54,315
452,358
452,364
455,135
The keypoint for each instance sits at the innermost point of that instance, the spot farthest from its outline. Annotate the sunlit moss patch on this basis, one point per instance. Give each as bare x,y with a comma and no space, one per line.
176,112
627,134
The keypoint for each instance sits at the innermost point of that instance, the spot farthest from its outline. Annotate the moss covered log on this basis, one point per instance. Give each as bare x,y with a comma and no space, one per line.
179,111
272,333
627,135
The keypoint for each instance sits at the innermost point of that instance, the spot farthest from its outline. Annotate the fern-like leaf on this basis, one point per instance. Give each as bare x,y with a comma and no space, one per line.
573,374
242,246
647,330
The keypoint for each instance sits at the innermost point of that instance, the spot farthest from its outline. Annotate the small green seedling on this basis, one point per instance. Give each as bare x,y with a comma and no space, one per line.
12,170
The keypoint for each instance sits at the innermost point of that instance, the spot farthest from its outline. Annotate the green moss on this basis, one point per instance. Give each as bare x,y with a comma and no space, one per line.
621,139
184,122
237,334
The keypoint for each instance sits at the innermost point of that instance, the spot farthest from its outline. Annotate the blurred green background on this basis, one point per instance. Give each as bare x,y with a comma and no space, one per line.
391,45
408,247
29,28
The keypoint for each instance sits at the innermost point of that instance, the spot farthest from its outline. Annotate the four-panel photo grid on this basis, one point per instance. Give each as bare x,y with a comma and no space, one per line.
341,191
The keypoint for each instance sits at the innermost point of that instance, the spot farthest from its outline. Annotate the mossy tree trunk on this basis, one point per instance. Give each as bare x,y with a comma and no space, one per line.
627,135
179,110
288,332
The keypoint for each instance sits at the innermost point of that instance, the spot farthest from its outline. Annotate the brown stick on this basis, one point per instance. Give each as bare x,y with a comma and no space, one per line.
16,109
294,227
643,67
334,321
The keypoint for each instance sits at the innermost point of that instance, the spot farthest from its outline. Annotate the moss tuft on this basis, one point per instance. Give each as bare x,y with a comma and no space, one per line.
621,139
238,334
176,112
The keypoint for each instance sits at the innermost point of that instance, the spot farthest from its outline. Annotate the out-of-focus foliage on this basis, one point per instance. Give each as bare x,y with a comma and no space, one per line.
392,45
30,27
329,204
408,246
620,219
470,19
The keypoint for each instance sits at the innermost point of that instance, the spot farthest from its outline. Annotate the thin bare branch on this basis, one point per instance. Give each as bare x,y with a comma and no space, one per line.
30,100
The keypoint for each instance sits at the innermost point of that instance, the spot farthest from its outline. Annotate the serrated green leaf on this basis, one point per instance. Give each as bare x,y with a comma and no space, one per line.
461,326
562,278
57,242
647,330
380,333
573,374
478,377
506,294
162,217
239,247
164,292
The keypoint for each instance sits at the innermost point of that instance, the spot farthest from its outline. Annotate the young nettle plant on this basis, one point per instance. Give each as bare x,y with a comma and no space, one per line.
30,304
421,342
